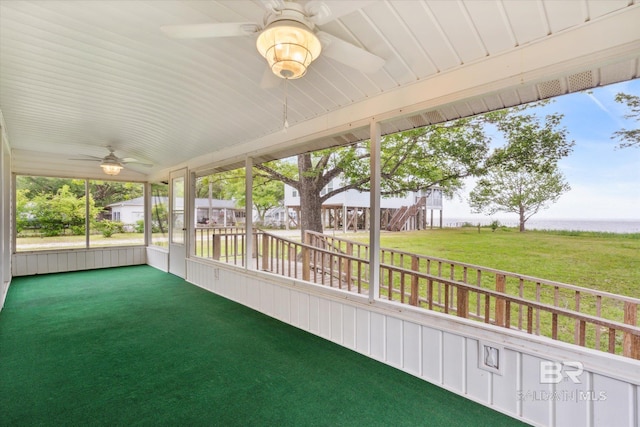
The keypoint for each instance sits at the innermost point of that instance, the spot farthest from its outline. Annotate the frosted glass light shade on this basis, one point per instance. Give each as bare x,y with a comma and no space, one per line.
289,47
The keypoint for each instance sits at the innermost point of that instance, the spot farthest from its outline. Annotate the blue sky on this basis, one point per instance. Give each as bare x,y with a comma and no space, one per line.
605,180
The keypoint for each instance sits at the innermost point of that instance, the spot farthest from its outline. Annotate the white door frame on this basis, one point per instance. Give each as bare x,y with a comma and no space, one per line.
179,214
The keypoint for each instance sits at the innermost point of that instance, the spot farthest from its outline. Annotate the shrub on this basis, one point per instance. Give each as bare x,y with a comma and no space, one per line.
108,228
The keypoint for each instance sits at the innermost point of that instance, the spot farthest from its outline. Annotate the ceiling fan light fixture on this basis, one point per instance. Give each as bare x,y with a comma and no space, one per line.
111,167
289,47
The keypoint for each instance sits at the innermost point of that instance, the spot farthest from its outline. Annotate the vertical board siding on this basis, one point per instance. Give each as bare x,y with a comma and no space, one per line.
336,322
28,264
477,380
393,343
349,327
535,406
609,411
441,357
363,331
453,362
411,348
576,412
158,258
505,387
377,336
324,320
432,355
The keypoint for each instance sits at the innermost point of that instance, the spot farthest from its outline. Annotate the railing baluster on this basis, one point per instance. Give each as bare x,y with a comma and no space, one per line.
577,327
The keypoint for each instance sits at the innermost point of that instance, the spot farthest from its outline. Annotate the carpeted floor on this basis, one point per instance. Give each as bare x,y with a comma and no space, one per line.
135,346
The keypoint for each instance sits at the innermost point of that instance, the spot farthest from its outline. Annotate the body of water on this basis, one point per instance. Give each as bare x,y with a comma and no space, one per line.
604,225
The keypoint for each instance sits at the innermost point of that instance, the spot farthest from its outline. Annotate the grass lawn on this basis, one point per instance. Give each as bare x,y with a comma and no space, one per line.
604,261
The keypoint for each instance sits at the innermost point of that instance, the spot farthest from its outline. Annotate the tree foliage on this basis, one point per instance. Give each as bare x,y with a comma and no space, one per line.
440,154
629,137
521,192
230,185
55,213
522,176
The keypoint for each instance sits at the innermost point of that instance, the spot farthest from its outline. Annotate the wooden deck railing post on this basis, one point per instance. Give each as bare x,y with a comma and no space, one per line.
631,343
501,286
265,252
306,259
415,292
347,265
462,302
216,247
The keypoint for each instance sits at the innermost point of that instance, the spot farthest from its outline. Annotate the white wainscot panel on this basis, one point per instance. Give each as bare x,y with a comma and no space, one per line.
572,401
158,258
53,265
454,363
294,309
72,261
336,322
377,334
478,380
266,298
253,293
363,323
81,260
282,304
349,326
394,342
612,404
43,267
432,355
411,347
314,314
505,393
303,311
325,318
536,404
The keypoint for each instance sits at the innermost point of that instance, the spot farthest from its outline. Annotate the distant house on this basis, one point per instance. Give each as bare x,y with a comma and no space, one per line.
350,209
208,212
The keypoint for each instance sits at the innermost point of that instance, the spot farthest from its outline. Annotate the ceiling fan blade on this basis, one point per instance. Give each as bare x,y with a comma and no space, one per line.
348,54
221,29
129,160
89,158
321,12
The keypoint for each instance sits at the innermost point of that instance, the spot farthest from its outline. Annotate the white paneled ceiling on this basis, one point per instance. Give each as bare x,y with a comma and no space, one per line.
77,76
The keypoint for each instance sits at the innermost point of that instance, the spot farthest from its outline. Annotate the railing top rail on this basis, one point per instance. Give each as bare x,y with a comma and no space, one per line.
635,330
581,289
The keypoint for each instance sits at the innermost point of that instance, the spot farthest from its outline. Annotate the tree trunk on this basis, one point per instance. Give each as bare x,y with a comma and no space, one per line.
310,202
522,220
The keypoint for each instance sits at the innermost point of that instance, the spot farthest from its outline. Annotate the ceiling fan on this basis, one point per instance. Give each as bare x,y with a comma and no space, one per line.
288,38
112,164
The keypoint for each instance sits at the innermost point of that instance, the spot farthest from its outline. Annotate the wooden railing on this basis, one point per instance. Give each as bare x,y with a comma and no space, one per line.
568,313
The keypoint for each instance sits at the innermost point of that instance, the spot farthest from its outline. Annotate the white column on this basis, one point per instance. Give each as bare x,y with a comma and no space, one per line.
374,218
248,213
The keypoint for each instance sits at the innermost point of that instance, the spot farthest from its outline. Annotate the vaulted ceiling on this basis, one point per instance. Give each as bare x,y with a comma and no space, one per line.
78,76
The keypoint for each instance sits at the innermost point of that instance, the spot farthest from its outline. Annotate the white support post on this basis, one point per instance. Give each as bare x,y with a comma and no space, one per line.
374,218
248,213
148,215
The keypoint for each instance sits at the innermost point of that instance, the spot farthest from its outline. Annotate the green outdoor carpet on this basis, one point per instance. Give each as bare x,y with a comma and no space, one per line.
136,346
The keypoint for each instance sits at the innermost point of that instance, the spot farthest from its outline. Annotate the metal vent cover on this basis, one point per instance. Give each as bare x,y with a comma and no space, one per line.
550,88
434,116
581,81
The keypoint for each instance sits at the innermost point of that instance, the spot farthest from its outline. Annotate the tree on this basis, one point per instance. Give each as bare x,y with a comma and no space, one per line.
522,192
522,176
629,137
267,193
440,154
56,212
